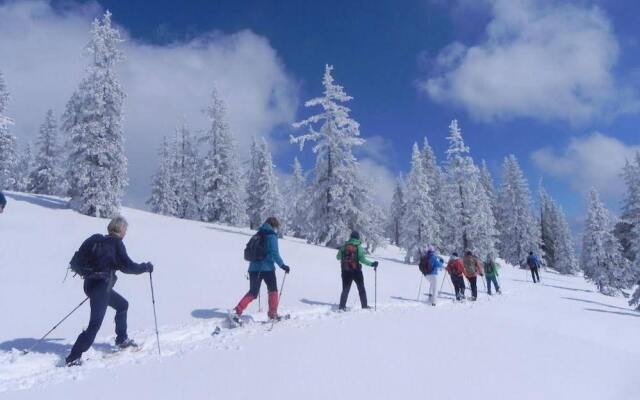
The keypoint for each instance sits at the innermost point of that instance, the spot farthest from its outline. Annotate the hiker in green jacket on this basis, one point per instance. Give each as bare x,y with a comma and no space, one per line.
351,256
491,273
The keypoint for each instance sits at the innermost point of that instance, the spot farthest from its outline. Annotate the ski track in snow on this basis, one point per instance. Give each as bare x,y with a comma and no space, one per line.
18,371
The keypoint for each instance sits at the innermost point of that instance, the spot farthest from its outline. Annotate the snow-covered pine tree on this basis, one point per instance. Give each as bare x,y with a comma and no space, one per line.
419,223
186,171
97,164
557,243
468,223
263,195
602,260
8,150
47,176
296,202
630,216
518,228
23,170
338,197
435,180
635,299
489,186
396,212
223,199
164,199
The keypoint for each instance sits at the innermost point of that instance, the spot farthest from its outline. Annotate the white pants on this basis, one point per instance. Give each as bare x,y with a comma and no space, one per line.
433,287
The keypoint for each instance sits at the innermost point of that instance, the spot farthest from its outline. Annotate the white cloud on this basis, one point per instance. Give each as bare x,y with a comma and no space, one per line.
542,59
41,58
593,161
381,181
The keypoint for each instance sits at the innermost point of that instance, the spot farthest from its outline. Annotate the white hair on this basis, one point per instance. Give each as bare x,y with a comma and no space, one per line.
117,225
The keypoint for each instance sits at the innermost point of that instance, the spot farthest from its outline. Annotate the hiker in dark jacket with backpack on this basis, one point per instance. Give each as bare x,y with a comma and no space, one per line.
429,266
351,256
262,268
3,202
103,255
534,265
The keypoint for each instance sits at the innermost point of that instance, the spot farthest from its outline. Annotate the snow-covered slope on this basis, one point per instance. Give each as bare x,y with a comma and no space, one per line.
558,340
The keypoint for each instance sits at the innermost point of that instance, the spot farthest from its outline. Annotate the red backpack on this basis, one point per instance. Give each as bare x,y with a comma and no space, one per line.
425,265
350,257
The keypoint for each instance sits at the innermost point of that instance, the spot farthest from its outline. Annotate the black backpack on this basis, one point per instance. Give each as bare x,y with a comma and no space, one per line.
349,257
256,248
83,262
425,265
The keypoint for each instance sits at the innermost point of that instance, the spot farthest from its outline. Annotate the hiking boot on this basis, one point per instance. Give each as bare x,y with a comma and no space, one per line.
126,343
499,291
472,298
433,304
366,307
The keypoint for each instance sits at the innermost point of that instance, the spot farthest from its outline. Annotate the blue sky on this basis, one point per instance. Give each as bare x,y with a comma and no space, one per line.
555,83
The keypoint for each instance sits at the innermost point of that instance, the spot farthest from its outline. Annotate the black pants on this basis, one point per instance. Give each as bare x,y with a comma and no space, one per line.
534,274
256,278
100,295
349,276
474,287
458,286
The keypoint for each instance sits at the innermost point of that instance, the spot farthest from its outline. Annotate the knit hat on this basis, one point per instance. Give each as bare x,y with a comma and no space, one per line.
355,235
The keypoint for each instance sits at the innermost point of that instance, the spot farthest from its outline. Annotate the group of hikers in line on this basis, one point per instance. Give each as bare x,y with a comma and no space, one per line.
100,256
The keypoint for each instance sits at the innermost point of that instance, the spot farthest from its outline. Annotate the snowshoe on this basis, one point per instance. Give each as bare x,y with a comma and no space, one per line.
279,318
127,344
74,363
234,319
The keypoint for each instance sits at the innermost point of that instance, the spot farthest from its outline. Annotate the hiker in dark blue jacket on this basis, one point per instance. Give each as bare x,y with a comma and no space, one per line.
534,264
264,270
108,254
3,202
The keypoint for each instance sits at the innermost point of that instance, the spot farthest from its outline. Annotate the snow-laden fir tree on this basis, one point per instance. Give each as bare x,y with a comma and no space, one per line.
8,147
223,199
47,176
514,214
296,202
557,243
630,216
24,169
468,223
396,212
164,199
97,174
489,186
186,171
635,299
339,199
263,195
419,222
602,260
435,180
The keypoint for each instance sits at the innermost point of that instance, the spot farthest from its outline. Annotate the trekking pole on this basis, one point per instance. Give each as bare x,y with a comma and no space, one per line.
420,287
284,279
24,352
442,284
155,317
375,289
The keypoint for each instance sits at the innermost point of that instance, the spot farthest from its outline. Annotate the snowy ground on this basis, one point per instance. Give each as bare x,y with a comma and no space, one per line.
559,340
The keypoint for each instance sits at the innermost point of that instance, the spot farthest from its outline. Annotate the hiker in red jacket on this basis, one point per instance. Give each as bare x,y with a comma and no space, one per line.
455,268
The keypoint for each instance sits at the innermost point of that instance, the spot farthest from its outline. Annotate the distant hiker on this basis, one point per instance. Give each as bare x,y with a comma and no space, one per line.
102,256
472,269
491,273
262,254
3,202
455,268
534,265
429,266
351,256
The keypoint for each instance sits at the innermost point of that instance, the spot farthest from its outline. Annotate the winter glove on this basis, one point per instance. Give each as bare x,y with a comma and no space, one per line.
149,267
374,264
286,269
